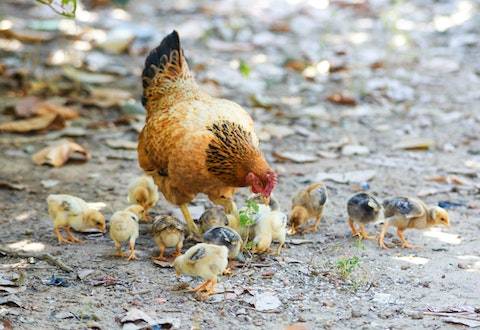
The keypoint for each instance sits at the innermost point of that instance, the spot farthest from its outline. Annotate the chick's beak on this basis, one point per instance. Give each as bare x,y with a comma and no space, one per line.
266,200
103,228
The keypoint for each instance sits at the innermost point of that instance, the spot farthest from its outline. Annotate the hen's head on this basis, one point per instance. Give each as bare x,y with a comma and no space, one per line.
263,183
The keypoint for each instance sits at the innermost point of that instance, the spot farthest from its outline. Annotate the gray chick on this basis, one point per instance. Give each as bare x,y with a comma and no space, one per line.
362,208
212,217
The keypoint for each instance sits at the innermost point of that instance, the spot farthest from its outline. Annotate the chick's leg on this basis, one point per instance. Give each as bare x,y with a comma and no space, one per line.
192,227
352,227
201,287
132,255
364,234
70,236
405,244
292,230
178,250
161,257
211,286
118,249
60,238
381,238
279,249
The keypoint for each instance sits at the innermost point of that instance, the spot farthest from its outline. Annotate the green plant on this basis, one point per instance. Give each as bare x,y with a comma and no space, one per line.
244,68
346,266
359,244
65,8
247,213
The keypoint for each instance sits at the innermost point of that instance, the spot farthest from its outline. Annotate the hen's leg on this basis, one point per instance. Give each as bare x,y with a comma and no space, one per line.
60,238
70,236
192,227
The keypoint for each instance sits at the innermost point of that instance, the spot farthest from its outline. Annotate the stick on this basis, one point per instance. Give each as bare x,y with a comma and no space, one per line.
42,256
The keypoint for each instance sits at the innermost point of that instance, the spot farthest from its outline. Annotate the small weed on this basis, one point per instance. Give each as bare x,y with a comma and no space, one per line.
359,244
247,213
244,69
346,266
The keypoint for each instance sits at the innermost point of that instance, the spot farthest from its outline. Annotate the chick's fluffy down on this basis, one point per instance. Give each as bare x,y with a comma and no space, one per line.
203,260
124,226
147,187
271,225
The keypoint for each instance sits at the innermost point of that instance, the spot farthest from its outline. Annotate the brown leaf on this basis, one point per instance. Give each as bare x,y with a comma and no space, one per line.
59,153
342,99
298,326
27,36
50,121
296,65
448,179
415,144
121,144
107,97
33,106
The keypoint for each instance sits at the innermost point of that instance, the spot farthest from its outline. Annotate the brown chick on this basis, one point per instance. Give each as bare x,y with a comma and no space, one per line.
194,143
168,232
68,212
212,217
410,212
124,227
362,208
204,260
144,192
307,204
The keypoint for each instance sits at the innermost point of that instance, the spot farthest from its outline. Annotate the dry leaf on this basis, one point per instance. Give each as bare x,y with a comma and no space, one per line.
27,36
59,153
163,264
33,106
347,177
415,144
342,99
448,179
266,302
50,121
107,97
88,77
295,157
121,144
12,186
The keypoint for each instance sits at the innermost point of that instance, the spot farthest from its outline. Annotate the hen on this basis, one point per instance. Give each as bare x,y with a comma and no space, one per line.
194,143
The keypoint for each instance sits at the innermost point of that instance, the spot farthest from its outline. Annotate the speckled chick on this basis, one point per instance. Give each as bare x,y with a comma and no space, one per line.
409,212
212,217
307,204
204,260
272,201
224,236
168,232
362,208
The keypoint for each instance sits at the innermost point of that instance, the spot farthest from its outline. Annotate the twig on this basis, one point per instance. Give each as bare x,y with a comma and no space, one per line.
42,256
454,314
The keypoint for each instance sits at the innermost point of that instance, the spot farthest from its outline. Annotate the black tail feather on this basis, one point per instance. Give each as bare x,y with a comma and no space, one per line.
156,57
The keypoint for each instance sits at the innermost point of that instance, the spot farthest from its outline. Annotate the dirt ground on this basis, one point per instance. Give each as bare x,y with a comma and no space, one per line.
405,69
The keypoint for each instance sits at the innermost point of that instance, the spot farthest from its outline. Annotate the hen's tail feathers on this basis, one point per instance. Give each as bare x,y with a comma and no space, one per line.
166,72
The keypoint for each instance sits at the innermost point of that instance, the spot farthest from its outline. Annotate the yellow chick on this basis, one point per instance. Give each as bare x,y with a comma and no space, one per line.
72,212
270,226
124,227
204,260
168,232
410,212
144,192
306,204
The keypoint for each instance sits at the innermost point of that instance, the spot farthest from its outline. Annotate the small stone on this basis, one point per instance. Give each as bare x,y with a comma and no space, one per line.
404,267
416,315
462,265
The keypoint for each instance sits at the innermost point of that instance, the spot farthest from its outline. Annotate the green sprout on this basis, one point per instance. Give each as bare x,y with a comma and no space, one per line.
248,212
346,266
244,69
65,8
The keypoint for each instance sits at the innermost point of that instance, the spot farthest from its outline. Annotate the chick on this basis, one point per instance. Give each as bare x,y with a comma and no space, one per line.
362,208
272,202
224,236
124,227
308,203
144,192
204,260
168,232
72,212
270,226
410,212
212,217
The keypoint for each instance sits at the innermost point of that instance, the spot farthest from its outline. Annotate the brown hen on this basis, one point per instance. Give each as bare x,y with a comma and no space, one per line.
194,143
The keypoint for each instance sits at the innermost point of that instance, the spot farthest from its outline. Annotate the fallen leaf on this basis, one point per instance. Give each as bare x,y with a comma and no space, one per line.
6,290
84,273
134,318
87,77
117,41
448,179
347,177
10,185
107,97
295,157
352,149
49,183
29,36
49,121
342,99
121,144
63,315
415,144
11,301
327,154
463,321
33,106
299,241
298,326
163,264
264,302
433,191
59,153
